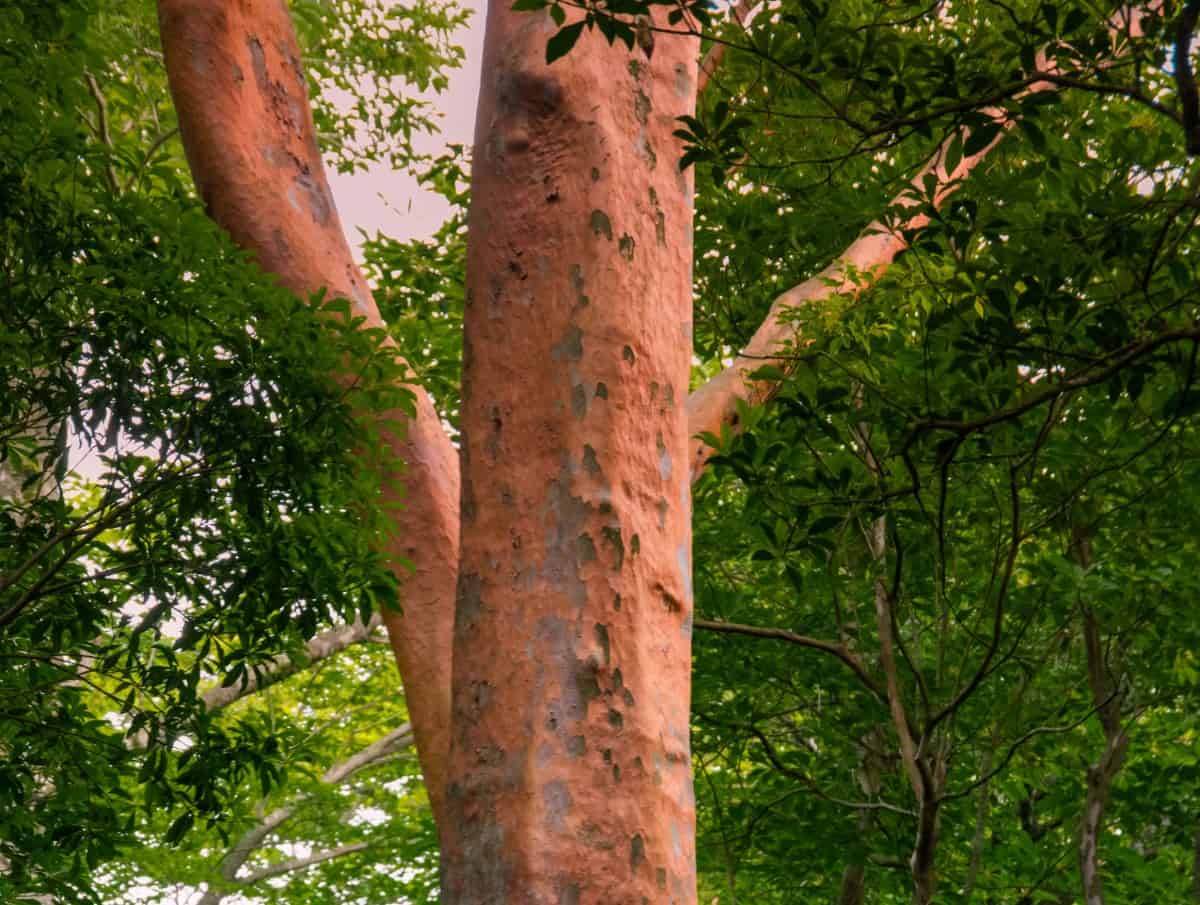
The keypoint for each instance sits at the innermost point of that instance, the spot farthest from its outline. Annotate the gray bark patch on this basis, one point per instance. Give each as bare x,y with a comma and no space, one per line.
258,62
556,799
570,347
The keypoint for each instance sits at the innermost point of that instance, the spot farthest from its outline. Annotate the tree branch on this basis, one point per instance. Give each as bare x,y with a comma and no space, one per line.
102,128
394,741
1189,103
779,765
741,13
320,647
779,634
286,867
887,659
258,168
859,266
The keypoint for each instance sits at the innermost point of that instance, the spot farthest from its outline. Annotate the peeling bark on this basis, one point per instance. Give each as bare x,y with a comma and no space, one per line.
570,775
238,84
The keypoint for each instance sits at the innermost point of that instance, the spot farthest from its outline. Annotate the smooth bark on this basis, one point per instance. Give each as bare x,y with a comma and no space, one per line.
238,84
570,774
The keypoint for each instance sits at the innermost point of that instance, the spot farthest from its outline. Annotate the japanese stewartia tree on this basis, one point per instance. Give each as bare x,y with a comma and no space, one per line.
915,365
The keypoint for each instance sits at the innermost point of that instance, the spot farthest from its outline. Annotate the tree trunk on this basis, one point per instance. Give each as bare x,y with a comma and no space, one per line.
570,772
982,809
244,117
1099,787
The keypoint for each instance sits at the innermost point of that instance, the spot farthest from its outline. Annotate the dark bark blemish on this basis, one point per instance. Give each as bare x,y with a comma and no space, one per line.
601,225
587,548
612,537
602,640
637,851
590,463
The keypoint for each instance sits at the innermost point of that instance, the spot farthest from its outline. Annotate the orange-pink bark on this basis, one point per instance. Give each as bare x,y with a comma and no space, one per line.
238,85
570,774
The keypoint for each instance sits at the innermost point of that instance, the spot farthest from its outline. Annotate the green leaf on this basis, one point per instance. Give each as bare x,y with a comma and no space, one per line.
561,43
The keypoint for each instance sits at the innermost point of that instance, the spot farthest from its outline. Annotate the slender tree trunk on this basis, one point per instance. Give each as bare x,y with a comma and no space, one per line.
244,117
853,888
1103,772
1099,788
1196,867
570,772
924,865
982,807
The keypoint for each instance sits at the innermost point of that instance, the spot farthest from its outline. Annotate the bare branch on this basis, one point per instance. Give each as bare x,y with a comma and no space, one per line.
102,128
252,839
887,659
320,647
829,647
286,867
779,765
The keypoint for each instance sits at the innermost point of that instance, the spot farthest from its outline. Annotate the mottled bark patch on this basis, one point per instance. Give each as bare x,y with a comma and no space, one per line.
641,106
637,851
590,463
602,640
612,538
601,225
470,604
556,799
570,347
579,400
258,62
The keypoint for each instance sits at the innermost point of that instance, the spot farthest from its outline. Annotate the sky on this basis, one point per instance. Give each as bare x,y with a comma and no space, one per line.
393,203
